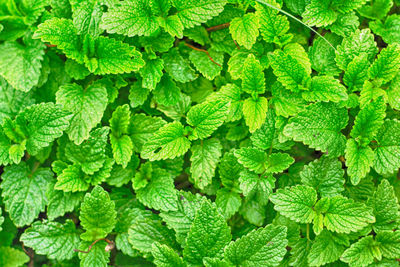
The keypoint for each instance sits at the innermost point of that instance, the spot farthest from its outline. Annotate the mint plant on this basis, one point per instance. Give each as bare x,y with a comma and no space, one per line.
199,133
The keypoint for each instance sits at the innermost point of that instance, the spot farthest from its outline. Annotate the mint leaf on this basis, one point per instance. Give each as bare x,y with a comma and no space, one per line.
87,106
386,66
319,126
97,214
244,30
266,246
359,160
12,257
205,118
205,157
53,239
326,248
296,203
253,80
255,112
168,142
165,256
204,65
325,88
21,64
207,220
22,192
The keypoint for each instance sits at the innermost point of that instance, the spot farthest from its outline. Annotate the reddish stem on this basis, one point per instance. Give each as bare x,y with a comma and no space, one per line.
109,246
218,27
204,51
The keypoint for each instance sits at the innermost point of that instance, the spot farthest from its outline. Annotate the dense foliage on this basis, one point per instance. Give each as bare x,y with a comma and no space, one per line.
199,133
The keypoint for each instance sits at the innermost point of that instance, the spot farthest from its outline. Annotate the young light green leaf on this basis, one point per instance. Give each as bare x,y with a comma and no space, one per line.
207,220
325,88
387,65
265,246
98,215
319,126
168,142
206,118
87,106
296,203
255,112
204,159
319,13
251,158
244,29
289,71
22,192
253,80
53,239
359,160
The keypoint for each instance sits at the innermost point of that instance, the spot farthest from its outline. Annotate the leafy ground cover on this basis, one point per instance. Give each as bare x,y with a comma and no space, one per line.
199,133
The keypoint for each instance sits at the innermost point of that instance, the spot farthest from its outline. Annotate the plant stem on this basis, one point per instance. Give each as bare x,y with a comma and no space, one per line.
204,51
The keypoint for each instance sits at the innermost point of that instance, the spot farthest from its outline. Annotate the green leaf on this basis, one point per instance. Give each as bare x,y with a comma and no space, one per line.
265,246
122,149
253,80
172,25
203,63
343,215
208,234
387,152
326,248
386,207
388,29
359,160
166,92
229,93
181,219
255,112
130,17
263,137
345,24
63,34
319,126
168,142
377,9
152,72
159,193
296,203
257,187
206,117
60,202
53,239
13,101
319,13
109,56
98,255
184,73
192,13
23,192
21,64
278,162
325,88
357,72
42,123
11,257
119,122
368,121
90,155
253,159
272,25
244,30
325,174
393,93
387,65
286,103
389,244
146,231
289,71
359,42
322,54
98,215
204,160
362,252
71,178
164,256
229,202
87,106
141,128
87,16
